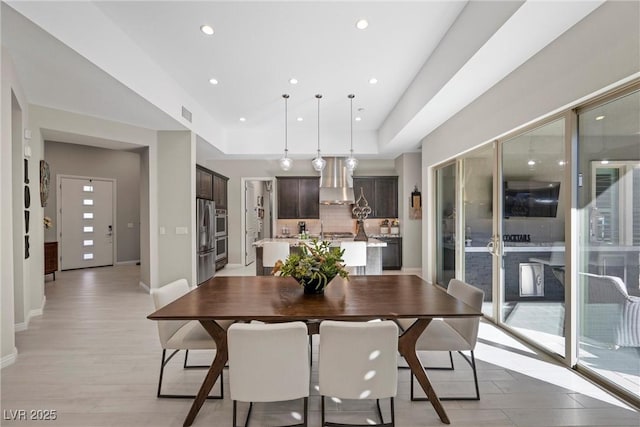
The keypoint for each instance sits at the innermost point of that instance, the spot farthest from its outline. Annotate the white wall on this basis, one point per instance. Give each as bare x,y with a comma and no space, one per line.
9,84
409,175
176,206
598,52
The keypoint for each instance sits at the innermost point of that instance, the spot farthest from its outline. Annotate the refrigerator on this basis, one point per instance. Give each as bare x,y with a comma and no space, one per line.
206,242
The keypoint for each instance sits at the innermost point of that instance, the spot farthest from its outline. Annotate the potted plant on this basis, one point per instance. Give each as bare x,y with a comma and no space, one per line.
314,266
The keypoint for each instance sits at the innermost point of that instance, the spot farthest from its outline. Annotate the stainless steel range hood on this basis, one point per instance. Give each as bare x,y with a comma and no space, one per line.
336,184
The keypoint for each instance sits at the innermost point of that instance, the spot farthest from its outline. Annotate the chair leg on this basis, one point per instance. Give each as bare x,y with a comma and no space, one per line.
164,362
472,363
382,423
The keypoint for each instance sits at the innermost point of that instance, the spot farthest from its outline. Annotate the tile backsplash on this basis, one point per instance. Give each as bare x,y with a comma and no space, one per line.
335,218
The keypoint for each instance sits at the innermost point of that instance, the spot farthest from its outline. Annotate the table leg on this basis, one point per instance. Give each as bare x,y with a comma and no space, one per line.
220,337
407,348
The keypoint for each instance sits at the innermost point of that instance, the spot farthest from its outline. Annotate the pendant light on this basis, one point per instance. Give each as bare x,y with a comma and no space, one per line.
285,162
318,163
351,161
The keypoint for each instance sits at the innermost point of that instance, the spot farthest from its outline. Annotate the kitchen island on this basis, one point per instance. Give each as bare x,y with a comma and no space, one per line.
374,253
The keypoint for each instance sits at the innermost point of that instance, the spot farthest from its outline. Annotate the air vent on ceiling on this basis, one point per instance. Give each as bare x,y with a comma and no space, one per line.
186,114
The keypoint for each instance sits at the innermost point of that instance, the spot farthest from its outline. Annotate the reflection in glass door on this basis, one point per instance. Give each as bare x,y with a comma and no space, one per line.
477,213
609,224
445,224
533,225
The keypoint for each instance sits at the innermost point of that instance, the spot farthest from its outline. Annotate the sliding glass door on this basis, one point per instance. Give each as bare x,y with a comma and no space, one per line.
503,210
609,224
533,220
476,212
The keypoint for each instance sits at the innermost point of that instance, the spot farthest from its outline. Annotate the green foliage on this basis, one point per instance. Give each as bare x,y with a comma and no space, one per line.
317,261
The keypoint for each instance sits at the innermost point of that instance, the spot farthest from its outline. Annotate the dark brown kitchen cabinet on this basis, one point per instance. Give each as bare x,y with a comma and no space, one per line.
298,197
220,190
381,192
204,183
392,254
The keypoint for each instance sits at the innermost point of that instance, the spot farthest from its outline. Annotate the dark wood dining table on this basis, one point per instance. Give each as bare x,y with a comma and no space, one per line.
281,299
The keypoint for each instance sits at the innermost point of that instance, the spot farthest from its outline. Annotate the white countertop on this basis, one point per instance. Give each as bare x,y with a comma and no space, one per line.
371,243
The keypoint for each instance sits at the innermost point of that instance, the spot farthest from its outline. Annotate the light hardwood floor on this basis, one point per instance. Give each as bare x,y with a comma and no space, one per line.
94,358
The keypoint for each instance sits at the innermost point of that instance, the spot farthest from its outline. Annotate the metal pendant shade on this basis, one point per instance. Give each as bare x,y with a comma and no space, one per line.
318,163
285,162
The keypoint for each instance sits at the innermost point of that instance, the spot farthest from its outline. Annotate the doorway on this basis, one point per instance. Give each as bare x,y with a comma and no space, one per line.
258,214
86,222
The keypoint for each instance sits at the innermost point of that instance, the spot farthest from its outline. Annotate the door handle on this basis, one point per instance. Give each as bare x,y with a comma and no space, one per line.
494,246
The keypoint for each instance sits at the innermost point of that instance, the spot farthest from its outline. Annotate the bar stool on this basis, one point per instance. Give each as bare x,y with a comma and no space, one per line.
355,256
274,251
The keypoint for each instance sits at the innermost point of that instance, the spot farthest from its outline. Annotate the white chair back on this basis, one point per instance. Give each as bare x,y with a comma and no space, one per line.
268,362
274,251
473,297
358,360
355,253
163,296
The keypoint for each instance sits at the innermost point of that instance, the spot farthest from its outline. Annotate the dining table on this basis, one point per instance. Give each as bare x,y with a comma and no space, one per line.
282,299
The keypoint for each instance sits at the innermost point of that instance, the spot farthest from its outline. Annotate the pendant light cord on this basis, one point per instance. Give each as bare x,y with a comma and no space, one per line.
286,99
318,96
351,96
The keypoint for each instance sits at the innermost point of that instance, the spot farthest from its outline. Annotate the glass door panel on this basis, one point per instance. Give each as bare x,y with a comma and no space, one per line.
477,215
445,224
533,224
609,232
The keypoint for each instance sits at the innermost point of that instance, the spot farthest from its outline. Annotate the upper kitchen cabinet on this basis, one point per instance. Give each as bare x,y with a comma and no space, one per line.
220,190
204,183
381,192
298,197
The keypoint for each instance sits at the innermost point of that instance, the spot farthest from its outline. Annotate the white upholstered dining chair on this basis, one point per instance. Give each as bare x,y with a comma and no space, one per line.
179,335
358,361
268,363
450,334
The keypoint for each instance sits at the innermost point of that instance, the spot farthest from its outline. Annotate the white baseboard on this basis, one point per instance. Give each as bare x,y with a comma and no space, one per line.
23,326
135,261
9,359
38,311
412,270
144,286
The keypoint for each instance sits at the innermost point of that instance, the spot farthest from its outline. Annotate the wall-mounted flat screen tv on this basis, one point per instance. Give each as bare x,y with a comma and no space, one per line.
531,198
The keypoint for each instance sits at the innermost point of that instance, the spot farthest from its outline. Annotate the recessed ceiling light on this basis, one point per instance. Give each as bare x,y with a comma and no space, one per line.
531,162
207,29
242,119
213,81
293,81
604,162
362,24
561,163
599,117
373,80
299,119
358,118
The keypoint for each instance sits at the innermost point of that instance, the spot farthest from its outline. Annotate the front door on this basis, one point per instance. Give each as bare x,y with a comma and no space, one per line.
86,223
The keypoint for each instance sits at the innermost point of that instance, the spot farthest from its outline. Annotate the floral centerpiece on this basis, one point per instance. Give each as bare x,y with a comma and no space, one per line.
314,266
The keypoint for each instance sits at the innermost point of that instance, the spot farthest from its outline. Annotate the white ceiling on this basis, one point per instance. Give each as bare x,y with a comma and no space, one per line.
139,62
